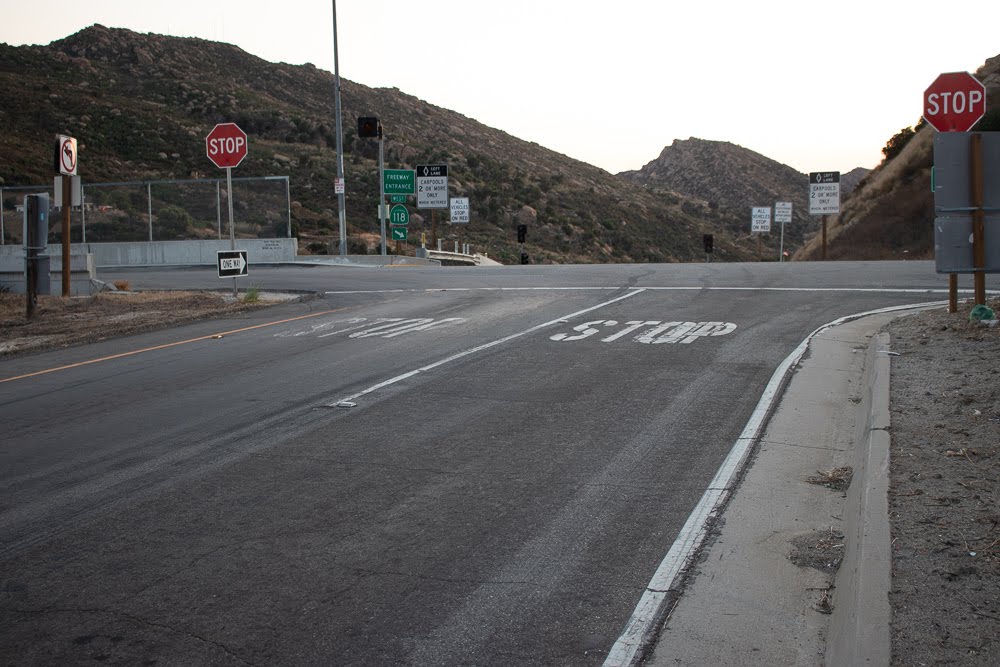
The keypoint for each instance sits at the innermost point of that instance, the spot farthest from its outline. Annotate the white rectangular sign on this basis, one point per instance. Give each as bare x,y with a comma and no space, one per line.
783,212
338,186
432,191
824,192
459,210
760,219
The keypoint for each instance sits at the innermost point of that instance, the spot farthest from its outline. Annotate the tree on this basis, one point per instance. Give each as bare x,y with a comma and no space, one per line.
898,142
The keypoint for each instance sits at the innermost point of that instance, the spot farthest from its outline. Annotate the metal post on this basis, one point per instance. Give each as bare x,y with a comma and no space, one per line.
340,144
288,205
149,202
381,187
2,232
218,206
83,214
781,248
67,206
232,227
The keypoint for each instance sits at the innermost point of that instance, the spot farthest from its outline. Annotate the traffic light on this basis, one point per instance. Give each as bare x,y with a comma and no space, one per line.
525,259
707,238
522,233
369,127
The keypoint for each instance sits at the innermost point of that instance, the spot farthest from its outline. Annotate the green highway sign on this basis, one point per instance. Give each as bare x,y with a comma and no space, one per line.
398,215
399,233
399,182
397,199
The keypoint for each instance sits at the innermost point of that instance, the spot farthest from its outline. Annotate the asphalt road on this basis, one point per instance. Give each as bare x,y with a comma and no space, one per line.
420,466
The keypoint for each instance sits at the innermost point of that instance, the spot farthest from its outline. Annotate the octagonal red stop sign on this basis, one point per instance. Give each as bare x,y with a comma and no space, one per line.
226,145
954,102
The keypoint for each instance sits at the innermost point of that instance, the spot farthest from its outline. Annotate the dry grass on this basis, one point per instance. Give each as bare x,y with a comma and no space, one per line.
61,322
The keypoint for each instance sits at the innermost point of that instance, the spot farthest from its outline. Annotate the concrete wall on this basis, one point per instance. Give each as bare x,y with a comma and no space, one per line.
81,277
170,253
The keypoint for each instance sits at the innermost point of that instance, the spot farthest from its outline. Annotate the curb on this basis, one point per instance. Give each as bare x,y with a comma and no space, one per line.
859,627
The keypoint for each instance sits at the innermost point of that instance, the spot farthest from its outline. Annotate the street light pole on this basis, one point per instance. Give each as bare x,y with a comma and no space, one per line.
340,139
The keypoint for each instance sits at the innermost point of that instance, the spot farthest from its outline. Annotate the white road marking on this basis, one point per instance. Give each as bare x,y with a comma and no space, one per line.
670,332
480,348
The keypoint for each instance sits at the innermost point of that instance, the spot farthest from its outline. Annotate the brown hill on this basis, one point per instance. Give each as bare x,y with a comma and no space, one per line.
731,180
890,215
141,106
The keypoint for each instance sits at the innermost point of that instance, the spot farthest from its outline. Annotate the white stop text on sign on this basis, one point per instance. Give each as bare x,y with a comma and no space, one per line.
959,101
226,145
650,332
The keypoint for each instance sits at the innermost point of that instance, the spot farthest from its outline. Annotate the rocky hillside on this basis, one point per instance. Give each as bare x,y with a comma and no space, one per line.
890,214
141,105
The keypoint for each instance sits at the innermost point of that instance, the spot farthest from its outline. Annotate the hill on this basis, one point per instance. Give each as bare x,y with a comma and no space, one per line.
730,179
890,214
141,106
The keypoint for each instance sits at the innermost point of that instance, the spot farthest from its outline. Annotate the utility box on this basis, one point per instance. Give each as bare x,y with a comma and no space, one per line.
36,242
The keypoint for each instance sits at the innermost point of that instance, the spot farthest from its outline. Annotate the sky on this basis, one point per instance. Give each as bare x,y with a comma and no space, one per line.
817,85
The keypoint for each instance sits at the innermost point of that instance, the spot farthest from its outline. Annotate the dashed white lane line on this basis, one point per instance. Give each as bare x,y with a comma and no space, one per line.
350,401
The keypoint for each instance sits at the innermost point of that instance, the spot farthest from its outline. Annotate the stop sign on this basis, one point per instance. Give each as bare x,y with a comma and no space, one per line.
226,145
954,102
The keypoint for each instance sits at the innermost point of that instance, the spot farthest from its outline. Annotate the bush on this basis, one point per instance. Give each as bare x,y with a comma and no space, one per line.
898,142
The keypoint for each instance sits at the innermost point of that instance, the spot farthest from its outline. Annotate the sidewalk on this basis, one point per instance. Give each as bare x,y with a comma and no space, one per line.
748,603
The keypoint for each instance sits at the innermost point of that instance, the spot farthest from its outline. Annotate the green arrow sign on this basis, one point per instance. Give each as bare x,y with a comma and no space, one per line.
399,182
398,215
399,233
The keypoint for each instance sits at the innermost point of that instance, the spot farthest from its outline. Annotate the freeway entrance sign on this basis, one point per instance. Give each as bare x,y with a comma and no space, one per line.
398,182
233,263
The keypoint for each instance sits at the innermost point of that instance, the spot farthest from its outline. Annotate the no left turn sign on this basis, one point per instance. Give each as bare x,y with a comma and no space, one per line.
66,155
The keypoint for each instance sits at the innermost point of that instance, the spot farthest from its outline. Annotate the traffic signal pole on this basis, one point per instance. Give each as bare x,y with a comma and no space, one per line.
381,186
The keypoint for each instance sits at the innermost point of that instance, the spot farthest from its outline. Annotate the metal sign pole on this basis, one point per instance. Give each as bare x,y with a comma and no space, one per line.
781,248
340,139
381,187
2,232
232,229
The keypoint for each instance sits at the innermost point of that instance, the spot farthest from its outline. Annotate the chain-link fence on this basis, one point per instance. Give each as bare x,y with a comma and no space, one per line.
162,210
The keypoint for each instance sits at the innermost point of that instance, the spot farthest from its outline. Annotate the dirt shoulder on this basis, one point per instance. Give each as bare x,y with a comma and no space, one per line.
944,490
62,322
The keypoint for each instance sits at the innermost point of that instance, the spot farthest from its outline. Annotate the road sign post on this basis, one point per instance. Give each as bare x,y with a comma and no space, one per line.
782,214
66,164
226,146
824,198
954,102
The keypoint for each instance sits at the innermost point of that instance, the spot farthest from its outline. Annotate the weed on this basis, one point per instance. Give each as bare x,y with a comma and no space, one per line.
252,295
122,285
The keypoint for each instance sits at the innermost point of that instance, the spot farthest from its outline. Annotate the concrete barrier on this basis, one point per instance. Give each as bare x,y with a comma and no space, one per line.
81,267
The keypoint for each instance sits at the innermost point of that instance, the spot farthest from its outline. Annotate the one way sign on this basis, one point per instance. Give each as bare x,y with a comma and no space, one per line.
233,263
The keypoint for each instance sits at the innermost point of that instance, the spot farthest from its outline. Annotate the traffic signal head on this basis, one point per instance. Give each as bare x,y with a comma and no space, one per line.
709,241
369,127
522,233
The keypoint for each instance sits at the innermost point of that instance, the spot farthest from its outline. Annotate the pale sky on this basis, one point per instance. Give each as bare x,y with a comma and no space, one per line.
819,85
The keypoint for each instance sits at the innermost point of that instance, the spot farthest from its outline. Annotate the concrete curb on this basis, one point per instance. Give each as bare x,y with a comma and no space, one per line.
859,627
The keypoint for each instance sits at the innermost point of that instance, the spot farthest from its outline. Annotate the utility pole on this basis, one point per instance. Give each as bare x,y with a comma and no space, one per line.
340,186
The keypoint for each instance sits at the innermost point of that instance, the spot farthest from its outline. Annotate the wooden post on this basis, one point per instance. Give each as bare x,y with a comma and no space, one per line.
952,292
978,218
823,255
67,207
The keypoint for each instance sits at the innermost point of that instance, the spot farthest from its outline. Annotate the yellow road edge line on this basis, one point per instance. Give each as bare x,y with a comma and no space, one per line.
167,345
